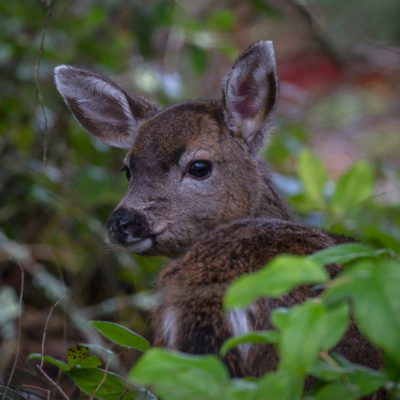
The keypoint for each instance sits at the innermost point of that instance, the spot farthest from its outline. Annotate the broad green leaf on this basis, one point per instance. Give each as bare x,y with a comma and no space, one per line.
336,321
113,386
279,385
354,187
51,360
376,297
241,389
313,174
175,375
344,253
368,380
281,275
303,331
78,355
252,337
338,390
121,335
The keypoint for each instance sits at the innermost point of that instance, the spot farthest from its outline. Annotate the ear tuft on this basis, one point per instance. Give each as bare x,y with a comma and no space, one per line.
101,107
250,93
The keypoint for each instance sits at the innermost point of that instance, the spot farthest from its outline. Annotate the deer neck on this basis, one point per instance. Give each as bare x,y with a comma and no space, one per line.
270,203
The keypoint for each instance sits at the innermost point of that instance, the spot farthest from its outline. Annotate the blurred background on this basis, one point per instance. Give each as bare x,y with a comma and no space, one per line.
339,66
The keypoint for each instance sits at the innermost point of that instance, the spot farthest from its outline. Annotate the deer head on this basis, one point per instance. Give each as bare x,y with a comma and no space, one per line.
191,166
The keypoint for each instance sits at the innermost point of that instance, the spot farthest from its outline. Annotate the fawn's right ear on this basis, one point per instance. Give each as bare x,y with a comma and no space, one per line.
101,107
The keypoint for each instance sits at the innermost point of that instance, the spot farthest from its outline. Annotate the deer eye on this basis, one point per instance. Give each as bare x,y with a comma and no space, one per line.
200,169
127,172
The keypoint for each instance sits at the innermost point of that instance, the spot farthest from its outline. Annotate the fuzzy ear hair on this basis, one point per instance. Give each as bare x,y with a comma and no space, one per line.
250,93
101,107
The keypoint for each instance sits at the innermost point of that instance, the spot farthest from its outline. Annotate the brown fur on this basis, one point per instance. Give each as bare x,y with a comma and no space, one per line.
194,285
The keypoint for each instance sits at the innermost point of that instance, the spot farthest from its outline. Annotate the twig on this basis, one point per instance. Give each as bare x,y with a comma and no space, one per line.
123,394
64,334
49,9
22,392
47,391
45,330
40,366
103,379
21,292
52,382
326,357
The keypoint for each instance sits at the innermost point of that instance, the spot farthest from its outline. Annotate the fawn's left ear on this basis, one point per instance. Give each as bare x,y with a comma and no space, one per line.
105,110
250,93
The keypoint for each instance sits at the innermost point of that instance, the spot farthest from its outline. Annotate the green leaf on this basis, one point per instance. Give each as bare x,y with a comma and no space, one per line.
175,375
313,174
252,337
375,293
279,385
241,389
121,335
222,19
303,332
344,253
198,58
113,386
281,275
51,360
368,380
78,355
336,321
354,187
338,390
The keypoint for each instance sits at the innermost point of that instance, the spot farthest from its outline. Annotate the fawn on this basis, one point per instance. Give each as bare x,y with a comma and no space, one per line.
199,193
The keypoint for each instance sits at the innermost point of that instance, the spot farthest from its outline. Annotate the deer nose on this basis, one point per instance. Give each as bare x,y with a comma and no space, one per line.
126,226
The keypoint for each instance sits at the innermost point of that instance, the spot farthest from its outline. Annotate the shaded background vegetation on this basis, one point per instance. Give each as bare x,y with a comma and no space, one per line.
339,64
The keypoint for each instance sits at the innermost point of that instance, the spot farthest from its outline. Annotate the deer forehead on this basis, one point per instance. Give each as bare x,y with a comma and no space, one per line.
181,132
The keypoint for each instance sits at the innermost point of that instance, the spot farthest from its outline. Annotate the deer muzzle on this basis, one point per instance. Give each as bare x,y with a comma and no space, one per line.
129,228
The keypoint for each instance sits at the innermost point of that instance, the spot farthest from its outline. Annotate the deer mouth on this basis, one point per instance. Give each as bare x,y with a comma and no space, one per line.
133,244
140,245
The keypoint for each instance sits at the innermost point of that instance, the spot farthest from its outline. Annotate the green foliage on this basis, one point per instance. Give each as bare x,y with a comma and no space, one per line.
107,385
252,337
354,187
51,360
121,335
304,336
79,356
314,176
284,273
200,377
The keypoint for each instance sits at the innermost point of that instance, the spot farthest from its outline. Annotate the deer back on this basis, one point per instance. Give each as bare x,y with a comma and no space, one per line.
190,317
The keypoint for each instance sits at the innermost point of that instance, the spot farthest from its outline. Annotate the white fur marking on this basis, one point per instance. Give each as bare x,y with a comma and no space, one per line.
170,327
239,323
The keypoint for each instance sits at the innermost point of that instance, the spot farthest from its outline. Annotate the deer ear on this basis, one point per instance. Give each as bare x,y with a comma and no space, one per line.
101,107
250,93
